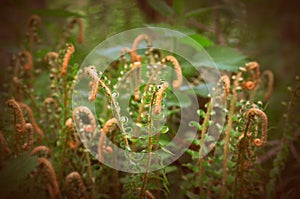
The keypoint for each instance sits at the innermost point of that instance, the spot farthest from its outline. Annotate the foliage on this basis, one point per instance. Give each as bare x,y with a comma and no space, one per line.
42,153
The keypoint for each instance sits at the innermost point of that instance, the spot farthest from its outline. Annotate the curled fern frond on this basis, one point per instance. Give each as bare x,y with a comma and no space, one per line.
75,186
32,120
18,114
29,131
109,126
77,113
138,39
50,175
176,83
252,84
51,58
251,113
41,150
81,30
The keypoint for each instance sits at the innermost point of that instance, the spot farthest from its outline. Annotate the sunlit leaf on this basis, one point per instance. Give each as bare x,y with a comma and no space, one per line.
196,39
225,58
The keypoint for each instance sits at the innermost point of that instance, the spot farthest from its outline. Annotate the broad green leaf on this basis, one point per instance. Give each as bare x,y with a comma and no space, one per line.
56,13
225,58
15,172
188,70
195,40
161,6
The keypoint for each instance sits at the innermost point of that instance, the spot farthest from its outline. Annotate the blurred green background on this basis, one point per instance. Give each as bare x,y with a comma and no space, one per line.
266,31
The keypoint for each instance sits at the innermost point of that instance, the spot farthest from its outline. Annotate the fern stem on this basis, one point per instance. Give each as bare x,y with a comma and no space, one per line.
227,135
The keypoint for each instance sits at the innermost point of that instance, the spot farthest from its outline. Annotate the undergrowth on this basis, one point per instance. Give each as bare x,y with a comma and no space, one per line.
43,153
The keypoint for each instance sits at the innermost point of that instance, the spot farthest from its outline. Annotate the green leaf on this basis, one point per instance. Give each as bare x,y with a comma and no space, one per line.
15,172
195,40
201,113
56,13
167,151
170,169
194,154
164,129
195,124
161,6
225,58
163,141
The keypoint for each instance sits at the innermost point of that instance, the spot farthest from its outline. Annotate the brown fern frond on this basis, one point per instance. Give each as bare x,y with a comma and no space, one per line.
224,83
50,175
18,115
270,77
176,83
32,120
92,72
108,127
73,143
251,113
33,23
81,30
41,150
70,50
26,60
252,84
47,102
75,186
88,127
138,39
51,59
29,132
159,96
